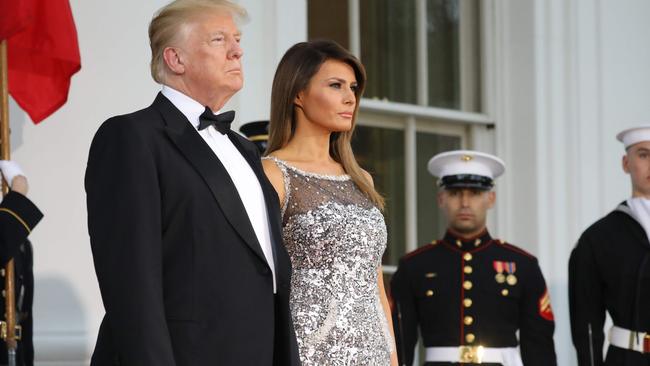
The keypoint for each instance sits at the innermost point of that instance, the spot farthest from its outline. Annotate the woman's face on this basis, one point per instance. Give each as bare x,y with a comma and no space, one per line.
328,101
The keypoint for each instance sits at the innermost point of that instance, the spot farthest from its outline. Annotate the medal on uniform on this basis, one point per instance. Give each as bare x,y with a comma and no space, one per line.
511,267
499,267
511,279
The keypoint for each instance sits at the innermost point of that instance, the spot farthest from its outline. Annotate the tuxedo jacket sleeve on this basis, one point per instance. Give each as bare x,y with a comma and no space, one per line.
124,222
18,216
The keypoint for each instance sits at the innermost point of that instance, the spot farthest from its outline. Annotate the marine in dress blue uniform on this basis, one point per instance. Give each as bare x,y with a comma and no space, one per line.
18,217
609,271
468,293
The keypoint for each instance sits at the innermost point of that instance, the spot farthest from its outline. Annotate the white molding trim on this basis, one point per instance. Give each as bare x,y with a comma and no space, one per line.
354,27
410,185
421,56
403,109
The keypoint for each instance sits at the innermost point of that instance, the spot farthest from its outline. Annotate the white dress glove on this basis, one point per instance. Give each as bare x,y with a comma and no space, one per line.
10,170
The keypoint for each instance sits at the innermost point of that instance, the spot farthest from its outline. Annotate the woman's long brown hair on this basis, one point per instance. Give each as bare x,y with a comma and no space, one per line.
298,65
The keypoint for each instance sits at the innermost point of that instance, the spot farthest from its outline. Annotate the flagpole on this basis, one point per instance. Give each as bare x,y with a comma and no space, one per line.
8,331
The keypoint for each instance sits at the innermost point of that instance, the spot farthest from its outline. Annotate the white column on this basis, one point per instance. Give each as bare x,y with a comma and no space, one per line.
410,170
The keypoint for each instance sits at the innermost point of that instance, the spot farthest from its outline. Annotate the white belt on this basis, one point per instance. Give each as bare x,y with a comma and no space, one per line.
628,339
507,356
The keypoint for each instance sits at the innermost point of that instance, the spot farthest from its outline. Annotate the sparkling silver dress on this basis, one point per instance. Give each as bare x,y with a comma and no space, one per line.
335,237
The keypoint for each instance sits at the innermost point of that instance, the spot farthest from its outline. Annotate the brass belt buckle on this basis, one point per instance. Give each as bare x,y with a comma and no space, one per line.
471,354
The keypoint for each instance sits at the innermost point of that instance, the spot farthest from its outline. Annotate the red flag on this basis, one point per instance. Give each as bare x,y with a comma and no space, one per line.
15,16
43,53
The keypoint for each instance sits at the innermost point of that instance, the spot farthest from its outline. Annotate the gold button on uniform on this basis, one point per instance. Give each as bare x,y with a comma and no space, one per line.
467,269
467,302
467,285
468,320
429,293
470,338
467,256
505,292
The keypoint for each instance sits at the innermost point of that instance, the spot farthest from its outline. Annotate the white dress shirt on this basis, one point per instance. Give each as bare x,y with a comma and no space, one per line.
241,173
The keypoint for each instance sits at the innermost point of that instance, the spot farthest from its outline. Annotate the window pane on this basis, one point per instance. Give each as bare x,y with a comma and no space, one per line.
431,222
454,54
328,19
388,49
380,151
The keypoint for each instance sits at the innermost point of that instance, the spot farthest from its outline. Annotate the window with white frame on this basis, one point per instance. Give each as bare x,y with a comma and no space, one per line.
424,95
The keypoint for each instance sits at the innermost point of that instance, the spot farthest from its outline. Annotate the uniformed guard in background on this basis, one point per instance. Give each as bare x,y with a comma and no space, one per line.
18,216
609,271
258,133
468,293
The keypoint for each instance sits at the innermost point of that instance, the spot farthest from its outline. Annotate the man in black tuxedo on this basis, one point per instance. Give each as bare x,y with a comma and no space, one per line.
184,226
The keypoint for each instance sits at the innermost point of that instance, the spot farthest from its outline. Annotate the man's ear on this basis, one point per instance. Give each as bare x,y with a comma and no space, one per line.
625,162
441,198
174,60
492,197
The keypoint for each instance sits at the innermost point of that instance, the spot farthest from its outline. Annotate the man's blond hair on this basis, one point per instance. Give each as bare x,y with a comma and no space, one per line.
167,24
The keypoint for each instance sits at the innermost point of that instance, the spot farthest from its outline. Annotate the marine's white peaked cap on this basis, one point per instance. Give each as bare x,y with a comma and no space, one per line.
634,135
466,162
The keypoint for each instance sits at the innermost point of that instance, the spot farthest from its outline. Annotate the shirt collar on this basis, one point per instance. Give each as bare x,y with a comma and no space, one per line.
190,108
454,239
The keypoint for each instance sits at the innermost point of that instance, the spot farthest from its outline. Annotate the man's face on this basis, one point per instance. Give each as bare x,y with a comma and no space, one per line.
466,209
637,164
211,55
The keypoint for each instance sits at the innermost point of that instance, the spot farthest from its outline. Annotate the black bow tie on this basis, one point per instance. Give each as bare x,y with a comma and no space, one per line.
220,121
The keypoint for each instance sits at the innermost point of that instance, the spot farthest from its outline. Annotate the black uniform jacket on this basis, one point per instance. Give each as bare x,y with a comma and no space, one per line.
450,290
18,216
183,278
609,271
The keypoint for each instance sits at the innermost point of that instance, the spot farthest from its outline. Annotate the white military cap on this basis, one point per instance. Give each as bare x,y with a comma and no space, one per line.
634,135
466,169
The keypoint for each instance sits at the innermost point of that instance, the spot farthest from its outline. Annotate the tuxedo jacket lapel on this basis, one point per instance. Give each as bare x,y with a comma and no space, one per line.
215,175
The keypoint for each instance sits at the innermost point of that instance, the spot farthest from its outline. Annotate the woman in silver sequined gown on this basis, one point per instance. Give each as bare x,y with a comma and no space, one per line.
333,228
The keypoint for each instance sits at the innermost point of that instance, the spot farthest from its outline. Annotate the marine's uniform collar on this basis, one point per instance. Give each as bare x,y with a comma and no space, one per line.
466,244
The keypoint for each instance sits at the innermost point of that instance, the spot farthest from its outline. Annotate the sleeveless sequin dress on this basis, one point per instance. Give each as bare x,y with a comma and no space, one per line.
335,237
